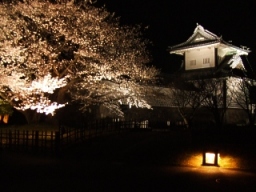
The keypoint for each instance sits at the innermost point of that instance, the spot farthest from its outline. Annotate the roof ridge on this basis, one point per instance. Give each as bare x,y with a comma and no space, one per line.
207,38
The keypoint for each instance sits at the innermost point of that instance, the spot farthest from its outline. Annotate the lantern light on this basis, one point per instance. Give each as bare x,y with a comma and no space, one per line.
210,158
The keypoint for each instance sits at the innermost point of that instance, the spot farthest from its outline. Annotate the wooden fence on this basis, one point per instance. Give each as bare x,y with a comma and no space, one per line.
33,140
55,141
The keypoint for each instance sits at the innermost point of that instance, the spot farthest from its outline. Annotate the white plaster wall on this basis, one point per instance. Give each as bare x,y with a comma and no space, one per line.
199,55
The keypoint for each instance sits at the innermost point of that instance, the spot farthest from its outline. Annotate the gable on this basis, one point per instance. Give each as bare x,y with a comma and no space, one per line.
198,38
202,38
201,35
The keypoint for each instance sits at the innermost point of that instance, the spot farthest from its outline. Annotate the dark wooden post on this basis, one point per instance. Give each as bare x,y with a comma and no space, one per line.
10,138
36,140
26,140
57,143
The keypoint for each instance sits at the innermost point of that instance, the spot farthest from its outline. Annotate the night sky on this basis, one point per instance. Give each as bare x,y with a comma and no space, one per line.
173,21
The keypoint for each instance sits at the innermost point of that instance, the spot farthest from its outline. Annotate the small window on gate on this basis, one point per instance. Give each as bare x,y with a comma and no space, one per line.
192,62
206,61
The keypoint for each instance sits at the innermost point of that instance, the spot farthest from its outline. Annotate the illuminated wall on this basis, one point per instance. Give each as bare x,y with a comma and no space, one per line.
200,58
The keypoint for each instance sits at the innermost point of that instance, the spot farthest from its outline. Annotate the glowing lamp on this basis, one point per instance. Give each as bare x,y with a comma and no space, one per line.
210,158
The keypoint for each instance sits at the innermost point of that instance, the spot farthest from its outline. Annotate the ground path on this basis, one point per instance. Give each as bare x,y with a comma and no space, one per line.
133,161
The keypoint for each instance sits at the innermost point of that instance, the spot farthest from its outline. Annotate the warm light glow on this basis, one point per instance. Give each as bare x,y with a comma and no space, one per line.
224,160
5,119
229,161
209,158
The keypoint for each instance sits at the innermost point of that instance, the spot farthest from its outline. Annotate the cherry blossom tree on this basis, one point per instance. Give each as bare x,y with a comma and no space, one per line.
54,53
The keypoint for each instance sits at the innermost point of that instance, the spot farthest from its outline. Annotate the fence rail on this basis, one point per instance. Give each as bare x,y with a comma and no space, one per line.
28,140
54,141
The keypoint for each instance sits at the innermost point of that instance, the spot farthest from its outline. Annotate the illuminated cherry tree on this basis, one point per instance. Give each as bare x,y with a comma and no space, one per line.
54,53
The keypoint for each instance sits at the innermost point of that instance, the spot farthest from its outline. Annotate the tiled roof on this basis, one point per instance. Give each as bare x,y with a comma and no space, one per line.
202,37
191,45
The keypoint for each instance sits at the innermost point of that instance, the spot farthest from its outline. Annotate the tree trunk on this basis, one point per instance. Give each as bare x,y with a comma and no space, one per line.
184,119
60,95
31,116
251,117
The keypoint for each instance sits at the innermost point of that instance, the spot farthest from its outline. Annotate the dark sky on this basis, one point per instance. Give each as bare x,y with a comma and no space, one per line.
173,21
